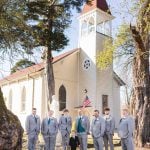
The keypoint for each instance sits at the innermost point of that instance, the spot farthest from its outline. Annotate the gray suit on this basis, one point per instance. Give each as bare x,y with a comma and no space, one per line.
49,130
97,129
125,131
32,126
82,135
109,131
65,124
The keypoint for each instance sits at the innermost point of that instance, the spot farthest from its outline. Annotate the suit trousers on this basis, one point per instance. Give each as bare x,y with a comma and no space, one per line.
32,139
127,143
83,140
50,142
98,143
108,138
65,141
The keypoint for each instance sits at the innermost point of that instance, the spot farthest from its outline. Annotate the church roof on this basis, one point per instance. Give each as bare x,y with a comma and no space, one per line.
118,79
100,4
38,67
33,69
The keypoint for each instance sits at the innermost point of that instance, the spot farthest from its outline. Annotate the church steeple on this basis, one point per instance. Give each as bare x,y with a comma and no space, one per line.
100,4
95,18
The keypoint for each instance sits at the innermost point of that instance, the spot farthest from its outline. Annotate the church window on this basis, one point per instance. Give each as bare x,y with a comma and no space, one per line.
84,28
107,28
23,100
104,28
62,98
104,102
91,25
86,64
10,100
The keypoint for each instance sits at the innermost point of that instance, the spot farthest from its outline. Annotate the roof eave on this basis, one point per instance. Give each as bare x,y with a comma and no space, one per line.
118,79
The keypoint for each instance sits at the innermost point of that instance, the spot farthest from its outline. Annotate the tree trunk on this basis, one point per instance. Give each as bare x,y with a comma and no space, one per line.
11,131
50,77
142,96
49,60
141,78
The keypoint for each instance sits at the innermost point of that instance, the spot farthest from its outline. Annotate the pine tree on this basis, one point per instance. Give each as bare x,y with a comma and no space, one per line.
48,20
21,64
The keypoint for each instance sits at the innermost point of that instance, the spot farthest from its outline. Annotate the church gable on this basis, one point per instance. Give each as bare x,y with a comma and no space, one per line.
32,70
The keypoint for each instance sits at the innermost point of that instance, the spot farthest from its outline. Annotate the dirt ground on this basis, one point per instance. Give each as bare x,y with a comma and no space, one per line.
41,147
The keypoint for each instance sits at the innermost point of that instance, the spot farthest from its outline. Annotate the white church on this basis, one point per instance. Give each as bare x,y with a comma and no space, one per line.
75,71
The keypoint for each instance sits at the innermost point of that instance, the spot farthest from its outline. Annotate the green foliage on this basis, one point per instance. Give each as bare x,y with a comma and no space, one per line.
50,18
105,57
122,46
23,63
12,24
25,25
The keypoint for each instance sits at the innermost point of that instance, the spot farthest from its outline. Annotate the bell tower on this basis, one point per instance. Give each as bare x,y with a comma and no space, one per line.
94,27
95,19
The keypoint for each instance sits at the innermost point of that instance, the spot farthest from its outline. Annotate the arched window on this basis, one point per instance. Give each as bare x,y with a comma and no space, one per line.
62,98
104,28
10,100
84,28
23,99
91,25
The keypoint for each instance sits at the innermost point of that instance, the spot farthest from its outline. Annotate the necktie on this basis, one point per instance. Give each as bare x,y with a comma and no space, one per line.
66,119
80,119
49,121
35,119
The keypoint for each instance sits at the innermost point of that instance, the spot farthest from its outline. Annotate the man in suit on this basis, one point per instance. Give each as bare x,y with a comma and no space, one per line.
126,129
65,124
82,127
97,129
49,129
32,126
109,129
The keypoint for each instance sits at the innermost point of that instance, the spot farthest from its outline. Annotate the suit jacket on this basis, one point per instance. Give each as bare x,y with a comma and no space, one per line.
49,129
126,127
98,127
65,124
85,122
32,124
109,124
74,142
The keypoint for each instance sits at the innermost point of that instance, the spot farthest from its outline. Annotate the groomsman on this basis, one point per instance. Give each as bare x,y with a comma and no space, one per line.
97,129
65,124
32,126
49,129
109,129
125,130
82,127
